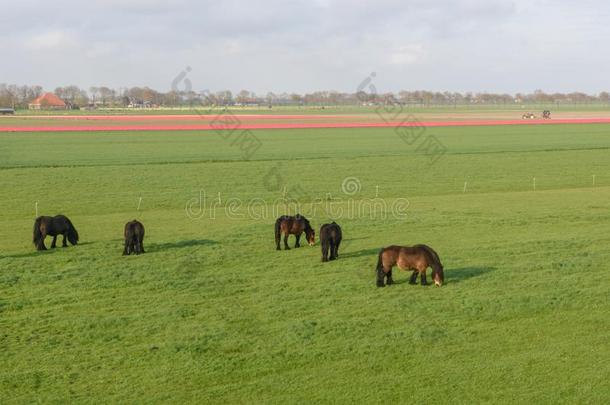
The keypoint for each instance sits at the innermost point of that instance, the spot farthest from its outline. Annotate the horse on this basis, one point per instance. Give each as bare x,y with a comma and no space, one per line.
296,225
134,238
330,239
417,258
546,114
53,226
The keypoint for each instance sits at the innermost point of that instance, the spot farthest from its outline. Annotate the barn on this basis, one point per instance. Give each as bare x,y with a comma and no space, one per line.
48,101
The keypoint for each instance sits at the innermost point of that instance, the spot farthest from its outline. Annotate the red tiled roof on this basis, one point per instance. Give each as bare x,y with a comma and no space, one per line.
50,100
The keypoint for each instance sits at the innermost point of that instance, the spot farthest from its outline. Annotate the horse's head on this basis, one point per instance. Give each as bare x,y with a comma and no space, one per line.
310,234
438,276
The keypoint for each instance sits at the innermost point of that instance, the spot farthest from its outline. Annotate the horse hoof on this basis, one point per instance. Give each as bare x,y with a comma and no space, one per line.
380,285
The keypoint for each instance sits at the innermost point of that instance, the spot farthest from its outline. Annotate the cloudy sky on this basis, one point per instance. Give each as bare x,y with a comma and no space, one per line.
303,46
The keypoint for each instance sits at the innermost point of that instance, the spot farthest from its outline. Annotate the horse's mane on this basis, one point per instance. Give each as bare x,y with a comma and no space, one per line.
436,261
305,220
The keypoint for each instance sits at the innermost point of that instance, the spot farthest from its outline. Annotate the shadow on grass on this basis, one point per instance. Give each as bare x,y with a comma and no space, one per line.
155,247
38,253
465,273
359,253
452,276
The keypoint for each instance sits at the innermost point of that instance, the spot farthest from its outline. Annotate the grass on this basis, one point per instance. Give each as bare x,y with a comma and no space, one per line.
212,313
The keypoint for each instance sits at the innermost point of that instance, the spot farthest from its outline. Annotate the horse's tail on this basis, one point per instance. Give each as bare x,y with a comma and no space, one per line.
37,236
435,261
379,273
379,261
72,233
278,223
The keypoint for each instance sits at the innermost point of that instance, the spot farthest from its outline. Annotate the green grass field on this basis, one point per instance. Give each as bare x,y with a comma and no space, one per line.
213,314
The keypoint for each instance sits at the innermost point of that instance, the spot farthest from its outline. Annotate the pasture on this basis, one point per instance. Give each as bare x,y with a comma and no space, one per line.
212,313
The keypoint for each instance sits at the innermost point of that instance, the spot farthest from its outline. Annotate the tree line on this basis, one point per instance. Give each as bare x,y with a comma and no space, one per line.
19,96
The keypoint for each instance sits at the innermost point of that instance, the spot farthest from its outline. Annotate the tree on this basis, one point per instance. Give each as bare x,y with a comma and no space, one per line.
106,95
93,91
243,96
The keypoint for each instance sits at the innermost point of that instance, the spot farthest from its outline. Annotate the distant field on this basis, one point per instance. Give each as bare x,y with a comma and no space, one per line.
347,109
213,314
230,120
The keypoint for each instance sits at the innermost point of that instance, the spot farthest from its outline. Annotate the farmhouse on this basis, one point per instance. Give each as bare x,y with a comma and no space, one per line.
48,101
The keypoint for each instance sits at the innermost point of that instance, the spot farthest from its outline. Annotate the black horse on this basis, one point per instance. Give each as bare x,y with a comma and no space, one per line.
134,238
330,239
53,226
293,226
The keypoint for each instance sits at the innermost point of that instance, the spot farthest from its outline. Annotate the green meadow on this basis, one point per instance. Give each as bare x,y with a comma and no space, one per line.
212,313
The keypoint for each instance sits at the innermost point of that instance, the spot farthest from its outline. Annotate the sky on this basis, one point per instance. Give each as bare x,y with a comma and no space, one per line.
304,46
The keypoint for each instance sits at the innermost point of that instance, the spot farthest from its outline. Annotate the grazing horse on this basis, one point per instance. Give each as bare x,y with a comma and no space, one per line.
134,238
417,258
330,239
53,226
293,226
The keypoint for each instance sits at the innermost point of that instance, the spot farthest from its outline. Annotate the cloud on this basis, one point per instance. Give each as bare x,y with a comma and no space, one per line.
51,40
277,45
407,55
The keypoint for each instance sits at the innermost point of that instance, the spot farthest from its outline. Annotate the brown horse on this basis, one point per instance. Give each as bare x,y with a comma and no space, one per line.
293,226
53,226
417,258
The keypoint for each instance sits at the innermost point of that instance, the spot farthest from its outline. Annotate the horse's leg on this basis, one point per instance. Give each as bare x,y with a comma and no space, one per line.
325,251
136,244
126,248
142,245
41,245
380,276
42,239
286,241
337,249
388,276
423,277
139,248
413,279
297,244
64,242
